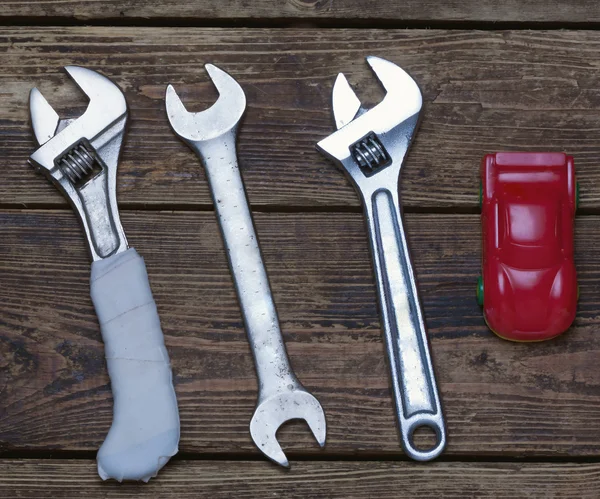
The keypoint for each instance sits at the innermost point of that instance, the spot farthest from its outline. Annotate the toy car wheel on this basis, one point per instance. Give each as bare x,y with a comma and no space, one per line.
576,196
480,291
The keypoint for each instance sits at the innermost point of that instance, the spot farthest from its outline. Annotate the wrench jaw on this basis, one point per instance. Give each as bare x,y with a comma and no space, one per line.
373,143
80,157
107,102
222,118
44,119
345,102
402,92
279,409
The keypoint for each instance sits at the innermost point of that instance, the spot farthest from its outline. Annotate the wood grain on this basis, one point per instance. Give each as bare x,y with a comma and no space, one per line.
307,480
483,91
304,11
500,398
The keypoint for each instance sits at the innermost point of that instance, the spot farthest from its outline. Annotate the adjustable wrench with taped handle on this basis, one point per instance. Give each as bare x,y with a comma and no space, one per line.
80,157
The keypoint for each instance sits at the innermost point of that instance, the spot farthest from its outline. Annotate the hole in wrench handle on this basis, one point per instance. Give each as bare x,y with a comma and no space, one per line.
413,380
433,421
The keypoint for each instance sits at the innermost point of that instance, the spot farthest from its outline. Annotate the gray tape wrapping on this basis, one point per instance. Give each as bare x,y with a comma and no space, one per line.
145,428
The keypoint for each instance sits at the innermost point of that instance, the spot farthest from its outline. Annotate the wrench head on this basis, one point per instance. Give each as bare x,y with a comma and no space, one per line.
370,144
107,106
276,410
403,97
221,118
80,157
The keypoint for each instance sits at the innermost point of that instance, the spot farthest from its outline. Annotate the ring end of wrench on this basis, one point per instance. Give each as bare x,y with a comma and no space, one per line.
408,428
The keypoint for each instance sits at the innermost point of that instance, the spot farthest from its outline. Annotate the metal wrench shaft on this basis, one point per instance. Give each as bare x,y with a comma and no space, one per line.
245,260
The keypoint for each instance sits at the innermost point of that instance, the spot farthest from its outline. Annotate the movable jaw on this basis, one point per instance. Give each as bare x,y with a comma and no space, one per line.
374,141
80,156
44,119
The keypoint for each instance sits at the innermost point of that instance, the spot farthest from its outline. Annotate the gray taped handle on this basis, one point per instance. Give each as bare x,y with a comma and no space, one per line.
145,428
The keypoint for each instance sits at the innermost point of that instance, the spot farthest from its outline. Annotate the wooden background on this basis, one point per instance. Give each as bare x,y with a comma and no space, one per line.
523,419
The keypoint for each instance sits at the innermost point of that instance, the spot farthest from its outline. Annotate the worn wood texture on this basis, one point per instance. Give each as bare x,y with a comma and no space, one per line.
483,91
305,11
307,480
500,398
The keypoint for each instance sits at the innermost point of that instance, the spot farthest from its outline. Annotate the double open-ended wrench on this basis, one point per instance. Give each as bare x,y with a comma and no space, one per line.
211,134
370,146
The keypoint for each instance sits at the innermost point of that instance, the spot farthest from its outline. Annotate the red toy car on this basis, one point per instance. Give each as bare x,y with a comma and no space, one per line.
528,287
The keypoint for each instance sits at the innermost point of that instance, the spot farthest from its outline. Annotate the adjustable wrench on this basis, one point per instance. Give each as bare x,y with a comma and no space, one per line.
80,157
211,134
370,146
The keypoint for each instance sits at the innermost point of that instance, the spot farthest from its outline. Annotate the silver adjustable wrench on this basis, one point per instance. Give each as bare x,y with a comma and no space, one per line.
80,157
370,146
211,134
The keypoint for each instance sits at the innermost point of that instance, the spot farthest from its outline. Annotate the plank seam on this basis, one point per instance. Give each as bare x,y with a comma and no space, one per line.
294,23
233,456
201,208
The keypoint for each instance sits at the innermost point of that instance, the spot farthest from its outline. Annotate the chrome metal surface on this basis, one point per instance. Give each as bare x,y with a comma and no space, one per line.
44,118
71,151
393,122
78,163
211,134
344,101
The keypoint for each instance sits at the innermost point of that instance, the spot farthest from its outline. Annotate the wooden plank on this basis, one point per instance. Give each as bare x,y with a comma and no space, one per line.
483,91
304,11
307,480
500,398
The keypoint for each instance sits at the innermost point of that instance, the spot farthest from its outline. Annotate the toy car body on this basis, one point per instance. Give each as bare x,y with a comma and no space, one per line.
528,287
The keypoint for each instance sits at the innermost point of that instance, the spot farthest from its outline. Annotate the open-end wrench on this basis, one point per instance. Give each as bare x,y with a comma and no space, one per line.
211,134
80,157
370,146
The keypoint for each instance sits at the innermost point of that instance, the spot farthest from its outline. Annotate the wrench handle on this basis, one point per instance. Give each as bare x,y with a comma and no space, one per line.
145,430
413,380
245,261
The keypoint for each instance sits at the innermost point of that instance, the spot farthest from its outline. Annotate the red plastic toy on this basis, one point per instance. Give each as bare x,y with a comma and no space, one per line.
528,287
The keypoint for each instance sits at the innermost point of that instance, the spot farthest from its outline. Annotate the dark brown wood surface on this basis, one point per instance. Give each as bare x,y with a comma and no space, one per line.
523,419
364,12
483,91
500,398
308,480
